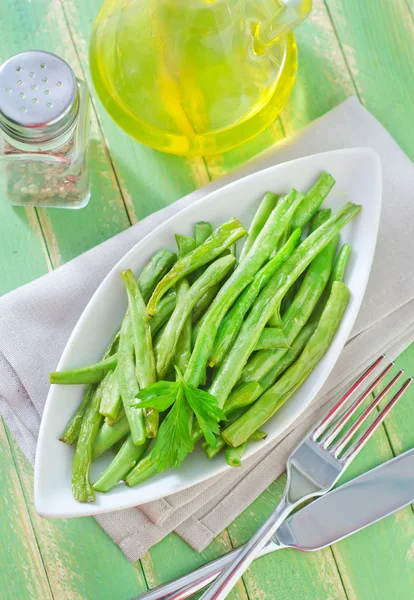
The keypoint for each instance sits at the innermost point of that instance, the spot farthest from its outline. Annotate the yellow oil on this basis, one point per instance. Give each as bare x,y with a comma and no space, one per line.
182,76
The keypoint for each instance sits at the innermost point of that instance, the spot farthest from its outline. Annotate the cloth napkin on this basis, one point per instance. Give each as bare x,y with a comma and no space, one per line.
37,319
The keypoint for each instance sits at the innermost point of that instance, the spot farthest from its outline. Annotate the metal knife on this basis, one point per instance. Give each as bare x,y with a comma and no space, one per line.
340,513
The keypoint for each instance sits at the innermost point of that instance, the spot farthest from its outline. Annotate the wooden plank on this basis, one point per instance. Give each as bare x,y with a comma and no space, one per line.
377,41
22,573
172,557
81,561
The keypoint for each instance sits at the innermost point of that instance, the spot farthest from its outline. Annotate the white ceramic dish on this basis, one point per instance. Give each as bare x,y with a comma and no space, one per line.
358,175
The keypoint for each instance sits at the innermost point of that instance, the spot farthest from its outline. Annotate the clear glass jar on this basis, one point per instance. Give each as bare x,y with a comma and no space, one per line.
44,131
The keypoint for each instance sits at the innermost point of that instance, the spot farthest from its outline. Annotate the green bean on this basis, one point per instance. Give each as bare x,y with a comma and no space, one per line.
144,355
220,239
313,199
121,413
124,461
128,383
154,270
289,358
271,338
234,455
111,398
108,435
202,305
81,486
297,314
202,231
320,217
71,432
212,275
90,374
232,321
185,244
183,345
240,278
285,387
212,451
164,311
262,214
242,396
269,299
339,267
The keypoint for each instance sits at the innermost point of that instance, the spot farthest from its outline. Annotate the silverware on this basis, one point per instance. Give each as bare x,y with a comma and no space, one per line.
360,502
314,467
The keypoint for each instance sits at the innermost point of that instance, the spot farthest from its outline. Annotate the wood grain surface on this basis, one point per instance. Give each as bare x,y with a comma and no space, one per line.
345,48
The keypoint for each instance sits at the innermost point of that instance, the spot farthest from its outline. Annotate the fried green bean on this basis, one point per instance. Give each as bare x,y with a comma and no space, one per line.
318,219
242,396
340,264
270,297
298,313
142,340
128,383
312,200
202,231
220,239
71,432
202,305
289,358
111,398
154,270
81,485
232,321
164,311
240,279
272,338
185,244
234,455
262,214
271,401
214,273
91,374
126,458
108,435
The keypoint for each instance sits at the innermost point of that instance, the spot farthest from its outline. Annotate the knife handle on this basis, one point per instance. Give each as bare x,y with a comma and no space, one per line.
193,582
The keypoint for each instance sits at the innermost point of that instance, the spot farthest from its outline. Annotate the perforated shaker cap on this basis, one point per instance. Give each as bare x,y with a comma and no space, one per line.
38,96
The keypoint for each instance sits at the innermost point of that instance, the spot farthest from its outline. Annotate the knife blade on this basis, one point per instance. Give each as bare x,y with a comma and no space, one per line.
340,513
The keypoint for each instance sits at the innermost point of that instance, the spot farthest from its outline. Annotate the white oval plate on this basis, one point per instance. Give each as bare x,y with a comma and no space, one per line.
358,175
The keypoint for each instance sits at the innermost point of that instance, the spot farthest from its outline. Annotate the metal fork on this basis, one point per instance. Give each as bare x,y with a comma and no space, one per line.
315,466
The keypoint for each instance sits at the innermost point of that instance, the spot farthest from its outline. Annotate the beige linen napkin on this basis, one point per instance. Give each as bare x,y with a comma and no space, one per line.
36,320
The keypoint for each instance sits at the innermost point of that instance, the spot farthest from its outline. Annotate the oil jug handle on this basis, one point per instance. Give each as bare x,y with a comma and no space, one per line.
290,14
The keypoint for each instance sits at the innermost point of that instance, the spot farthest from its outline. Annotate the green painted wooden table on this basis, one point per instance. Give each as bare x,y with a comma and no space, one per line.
345,48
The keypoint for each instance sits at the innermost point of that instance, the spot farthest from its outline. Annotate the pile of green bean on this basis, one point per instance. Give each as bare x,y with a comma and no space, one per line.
212,346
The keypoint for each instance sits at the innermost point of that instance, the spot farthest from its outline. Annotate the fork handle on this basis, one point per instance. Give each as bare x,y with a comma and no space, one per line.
229,577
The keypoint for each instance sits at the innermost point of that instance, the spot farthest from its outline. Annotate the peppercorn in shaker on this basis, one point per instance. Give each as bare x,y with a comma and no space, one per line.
44,132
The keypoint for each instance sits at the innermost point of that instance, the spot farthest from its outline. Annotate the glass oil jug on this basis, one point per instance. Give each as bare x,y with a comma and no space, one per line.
195,76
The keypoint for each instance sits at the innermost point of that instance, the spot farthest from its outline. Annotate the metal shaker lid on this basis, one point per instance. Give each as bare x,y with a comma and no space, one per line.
38,96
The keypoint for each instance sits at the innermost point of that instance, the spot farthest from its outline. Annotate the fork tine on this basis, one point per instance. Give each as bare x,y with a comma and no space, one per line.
362,439
342,443
334,412
332,435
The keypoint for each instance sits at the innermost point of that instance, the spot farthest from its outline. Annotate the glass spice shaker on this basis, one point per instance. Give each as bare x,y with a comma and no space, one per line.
44,132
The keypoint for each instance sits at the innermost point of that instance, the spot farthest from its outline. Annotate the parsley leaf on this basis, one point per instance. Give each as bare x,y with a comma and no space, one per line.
206,410
160,395
173,441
